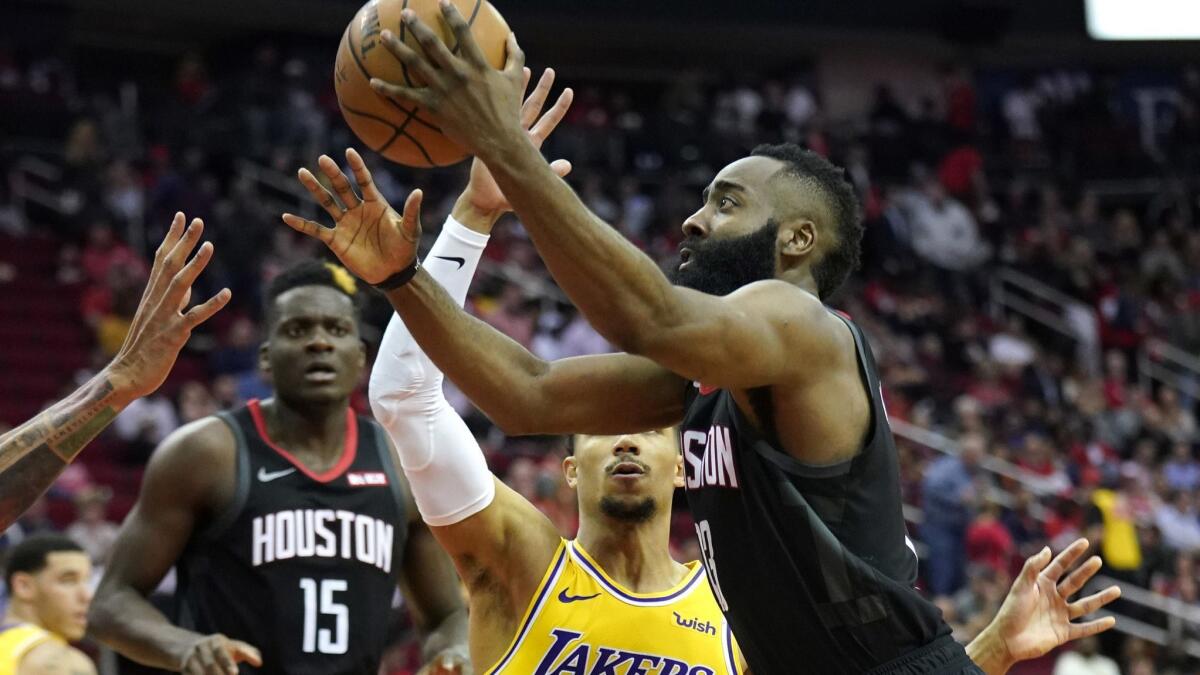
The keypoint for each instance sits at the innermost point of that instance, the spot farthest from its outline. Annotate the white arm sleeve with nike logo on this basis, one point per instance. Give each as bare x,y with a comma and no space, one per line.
444,464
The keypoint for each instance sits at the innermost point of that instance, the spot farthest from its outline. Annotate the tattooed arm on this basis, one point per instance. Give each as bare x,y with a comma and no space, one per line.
33,454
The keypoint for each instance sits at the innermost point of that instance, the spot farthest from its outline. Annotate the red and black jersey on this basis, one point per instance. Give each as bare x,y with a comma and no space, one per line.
303,566
812,564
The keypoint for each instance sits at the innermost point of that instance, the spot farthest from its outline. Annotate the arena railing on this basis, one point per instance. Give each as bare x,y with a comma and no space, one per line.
35,180
1177,615
277,191
1157,362
1164,363
1050,307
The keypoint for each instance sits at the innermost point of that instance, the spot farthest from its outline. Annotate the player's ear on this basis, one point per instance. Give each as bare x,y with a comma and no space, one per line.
264,358
571,471
796,237
679,471
23,586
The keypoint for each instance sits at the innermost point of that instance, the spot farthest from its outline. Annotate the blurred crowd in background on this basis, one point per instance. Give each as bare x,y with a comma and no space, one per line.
1069,178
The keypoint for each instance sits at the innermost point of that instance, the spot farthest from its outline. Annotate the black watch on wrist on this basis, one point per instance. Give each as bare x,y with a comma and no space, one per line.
400,278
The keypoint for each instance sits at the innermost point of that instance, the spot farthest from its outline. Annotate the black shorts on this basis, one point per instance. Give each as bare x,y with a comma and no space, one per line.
943,656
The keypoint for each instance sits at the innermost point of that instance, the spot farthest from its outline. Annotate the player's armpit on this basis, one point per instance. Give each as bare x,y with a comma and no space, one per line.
502,553
507,545
765,333
50,658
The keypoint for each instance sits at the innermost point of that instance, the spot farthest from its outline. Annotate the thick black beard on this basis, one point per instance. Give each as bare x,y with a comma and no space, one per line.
721,266
635,512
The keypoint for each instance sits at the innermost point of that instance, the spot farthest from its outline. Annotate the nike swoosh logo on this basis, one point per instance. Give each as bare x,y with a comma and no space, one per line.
564,598
267,477
452,259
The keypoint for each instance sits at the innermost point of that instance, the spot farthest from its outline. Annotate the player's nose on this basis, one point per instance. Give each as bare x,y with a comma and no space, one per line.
695,226
625,445
319,342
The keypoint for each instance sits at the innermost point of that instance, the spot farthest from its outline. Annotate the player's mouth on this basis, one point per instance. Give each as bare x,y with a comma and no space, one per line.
685,256
627,470
320,373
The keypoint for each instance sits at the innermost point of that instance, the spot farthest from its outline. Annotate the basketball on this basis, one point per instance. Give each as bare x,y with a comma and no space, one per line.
406,135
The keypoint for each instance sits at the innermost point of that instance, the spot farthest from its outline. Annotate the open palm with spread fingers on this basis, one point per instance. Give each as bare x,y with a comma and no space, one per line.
1038,616
368,236
482,191
163,323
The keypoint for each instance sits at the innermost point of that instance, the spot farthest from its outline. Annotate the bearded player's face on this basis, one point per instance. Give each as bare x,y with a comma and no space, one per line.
313,352
630,477
731,240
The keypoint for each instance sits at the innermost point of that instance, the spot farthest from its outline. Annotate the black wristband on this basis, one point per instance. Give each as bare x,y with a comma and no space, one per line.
400,278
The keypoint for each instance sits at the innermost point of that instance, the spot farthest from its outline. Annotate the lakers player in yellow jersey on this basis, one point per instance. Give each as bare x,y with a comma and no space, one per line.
611,601
48,579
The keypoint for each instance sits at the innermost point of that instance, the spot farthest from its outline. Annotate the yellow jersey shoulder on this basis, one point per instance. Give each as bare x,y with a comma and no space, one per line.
581,621
17,640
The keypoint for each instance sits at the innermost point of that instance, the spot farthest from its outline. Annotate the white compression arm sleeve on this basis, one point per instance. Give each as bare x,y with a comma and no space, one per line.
444,464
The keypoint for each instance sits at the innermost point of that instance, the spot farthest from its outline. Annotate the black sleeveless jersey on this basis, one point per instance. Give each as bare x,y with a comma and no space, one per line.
811,564
302,566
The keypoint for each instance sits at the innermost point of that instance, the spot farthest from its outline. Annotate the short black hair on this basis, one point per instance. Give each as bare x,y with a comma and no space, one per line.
312,273
843,258
30,555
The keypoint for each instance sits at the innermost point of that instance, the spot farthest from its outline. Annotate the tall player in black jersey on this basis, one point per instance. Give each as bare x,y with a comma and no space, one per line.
792,472
286,520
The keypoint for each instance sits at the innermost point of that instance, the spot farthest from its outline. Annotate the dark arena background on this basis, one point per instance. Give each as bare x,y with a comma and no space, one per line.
1030,279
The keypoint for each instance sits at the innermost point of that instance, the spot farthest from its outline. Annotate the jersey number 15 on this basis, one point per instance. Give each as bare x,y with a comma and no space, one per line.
325,641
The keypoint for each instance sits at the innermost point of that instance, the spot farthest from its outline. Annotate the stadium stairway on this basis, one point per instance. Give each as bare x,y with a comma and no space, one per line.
42,340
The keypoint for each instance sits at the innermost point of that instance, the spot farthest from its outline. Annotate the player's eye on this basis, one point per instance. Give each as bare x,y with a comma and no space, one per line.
338,330
725,202
295,330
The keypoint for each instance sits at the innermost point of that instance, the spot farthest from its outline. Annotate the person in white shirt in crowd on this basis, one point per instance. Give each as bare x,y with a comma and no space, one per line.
1085,659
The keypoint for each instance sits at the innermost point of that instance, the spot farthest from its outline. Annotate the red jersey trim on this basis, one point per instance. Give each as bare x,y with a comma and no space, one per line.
349,447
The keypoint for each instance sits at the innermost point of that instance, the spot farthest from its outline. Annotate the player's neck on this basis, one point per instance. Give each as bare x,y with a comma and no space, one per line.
317,431
635,555
20,612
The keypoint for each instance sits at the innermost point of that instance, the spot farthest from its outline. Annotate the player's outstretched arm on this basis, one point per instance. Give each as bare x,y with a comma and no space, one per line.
1038,616
725,342
190,474
521,393
33,454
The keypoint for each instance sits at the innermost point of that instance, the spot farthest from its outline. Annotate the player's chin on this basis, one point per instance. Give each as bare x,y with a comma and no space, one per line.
322,392
75,630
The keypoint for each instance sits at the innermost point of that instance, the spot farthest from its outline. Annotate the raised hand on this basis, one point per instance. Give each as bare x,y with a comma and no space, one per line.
160,326
1037,615
368,236
476,105
482,194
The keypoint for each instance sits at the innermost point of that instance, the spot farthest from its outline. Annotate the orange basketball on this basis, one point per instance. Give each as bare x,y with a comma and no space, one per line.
403,132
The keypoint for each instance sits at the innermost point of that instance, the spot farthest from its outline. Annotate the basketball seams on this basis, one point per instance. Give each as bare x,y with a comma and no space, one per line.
399,129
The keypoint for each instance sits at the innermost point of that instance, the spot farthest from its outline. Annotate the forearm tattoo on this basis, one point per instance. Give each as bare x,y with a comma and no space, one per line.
32,455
